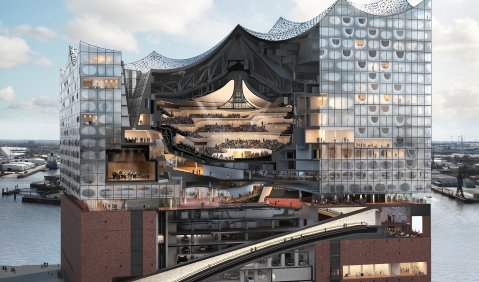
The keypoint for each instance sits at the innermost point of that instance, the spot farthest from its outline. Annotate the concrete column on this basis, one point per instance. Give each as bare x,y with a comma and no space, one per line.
296,257
269,261
242,276
283,260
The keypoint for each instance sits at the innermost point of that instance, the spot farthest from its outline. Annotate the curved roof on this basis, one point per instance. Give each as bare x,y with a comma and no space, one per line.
282,30
283,24
383,7
159,62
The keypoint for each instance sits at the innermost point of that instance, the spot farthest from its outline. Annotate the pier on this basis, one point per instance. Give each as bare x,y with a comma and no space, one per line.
49,273
41,200
451,193
11,192
31,171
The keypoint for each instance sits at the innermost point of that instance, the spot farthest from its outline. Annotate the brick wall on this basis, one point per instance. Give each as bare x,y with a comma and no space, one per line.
106,245
96,246
322,261
149,242
391,250
70,238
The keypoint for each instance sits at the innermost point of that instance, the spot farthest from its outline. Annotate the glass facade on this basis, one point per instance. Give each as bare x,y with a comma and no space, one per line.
370,123
94,109
342,101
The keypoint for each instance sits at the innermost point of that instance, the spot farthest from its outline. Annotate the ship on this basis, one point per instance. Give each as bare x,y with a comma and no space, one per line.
51,162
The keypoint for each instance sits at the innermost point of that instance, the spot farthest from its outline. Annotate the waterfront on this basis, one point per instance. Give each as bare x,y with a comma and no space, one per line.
30,233
455,227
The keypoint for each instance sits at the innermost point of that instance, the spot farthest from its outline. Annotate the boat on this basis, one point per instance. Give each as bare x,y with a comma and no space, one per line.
51,162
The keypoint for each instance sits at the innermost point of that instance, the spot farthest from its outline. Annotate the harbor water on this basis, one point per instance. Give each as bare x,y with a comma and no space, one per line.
30,233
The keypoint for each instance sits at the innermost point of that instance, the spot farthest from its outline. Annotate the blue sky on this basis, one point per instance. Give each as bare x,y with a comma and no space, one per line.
34,39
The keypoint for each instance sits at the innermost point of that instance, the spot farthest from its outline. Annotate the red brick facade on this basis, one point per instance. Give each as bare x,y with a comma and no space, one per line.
149,242
377,251
96,246
322,261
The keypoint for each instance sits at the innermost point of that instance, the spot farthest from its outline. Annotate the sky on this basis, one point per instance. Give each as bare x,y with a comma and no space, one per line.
35,35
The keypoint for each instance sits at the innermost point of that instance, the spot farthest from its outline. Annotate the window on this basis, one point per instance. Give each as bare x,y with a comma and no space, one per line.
89,119
359,42
101,83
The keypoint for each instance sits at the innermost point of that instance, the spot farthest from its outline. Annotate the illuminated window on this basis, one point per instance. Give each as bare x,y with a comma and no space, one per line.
101,83
89,119
361,97
359,42
318,102
144,119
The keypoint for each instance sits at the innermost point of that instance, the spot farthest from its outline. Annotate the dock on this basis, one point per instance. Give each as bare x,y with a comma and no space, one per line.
48,273
41,200
31,171
10,192
451,193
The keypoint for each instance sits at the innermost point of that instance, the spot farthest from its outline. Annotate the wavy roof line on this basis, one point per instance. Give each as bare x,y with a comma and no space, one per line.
383,7
282,30
283,24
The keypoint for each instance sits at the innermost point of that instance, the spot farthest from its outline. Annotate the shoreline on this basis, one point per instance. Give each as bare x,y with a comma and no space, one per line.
31,273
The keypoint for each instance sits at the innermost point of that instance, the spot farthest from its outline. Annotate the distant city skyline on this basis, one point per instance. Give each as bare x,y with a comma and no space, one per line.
33,40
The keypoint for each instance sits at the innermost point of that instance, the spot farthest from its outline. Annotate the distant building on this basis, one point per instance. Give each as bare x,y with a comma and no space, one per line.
322,122
8,154
18,166
5,155
36,161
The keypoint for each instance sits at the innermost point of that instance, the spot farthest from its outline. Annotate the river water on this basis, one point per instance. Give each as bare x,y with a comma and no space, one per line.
30,234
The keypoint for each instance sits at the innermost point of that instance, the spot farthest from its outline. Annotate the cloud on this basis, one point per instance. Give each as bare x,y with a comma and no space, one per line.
40,33
112,23
457,42
7,94
14,51
43,62
304,10
93,30
44,104
456,104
